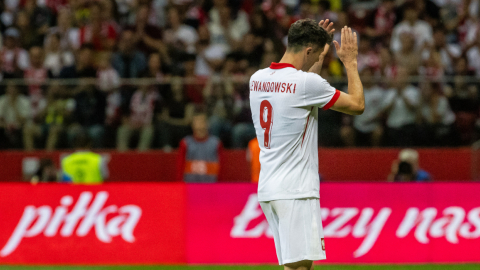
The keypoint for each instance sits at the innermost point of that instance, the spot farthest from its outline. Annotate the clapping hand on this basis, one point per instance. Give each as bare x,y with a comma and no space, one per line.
349,50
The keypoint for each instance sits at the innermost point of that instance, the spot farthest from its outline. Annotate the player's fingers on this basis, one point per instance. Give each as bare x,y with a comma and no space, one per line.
329,27
321,23
345,35
331,31
325,50
355,40
350,37
342,37
337,46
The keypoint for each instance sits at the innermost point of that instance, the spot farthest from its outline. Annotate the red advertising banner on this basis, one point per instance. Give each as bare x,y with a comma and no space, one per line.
103,224
151,223
369,223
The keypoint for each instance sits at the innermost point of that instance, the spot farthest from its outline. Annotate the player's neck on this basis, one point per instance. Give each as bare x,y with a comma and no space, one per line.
295,59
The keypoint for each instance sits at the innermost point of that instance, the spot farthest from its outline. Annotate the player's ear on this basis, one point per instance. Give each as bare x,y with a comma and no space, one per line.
308,51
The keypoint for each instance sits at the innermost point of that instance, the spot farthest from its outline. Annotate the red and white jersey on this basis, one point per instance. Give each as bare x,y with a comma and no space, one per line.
284,103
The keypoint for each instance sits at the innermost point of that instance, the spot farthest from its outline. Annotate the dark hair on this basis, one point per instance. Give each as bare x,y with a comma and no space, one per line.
307,32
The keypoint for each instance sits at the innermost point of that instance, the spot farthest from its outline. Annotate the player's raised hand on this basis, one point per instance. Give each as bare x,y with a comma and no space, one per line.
329,27
348,50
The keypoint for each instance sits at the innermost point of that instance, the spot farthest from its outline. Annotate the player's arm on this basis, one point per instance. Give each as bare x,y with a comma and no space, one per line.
353,102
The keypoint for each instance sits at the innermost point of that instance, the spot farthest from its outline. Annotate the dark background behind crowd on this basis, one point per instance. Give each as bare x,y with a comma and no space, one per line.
135,72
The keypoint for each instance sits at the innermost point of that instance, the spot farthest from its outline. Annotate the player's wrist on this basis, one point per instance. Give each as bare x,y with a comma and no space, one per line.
351,64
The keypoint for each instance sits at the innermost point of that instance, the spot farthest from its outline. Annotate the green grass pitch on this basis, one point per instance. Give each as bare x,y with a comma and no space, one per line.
257,267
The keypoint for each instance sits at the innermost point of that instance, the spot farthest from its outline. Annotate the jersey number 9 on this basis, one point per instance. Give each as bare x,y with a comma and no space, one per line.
266,121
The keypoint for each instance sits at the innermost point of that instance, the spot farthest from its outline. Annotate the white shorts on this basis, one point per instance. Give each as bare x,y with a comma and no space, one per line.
297,229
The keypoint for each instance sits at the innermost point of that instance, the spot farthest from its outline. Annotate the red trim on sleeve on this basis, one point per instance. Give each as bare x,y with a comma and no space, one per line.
280,65
332,101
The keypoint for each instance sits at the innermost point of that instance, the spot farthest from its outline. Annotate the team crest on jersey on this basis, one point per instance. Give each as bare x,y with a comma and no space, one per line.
323,244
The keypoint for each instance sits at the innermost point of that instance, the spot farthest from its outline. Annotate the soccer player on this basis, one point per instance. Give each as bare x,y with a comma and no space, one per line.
284,100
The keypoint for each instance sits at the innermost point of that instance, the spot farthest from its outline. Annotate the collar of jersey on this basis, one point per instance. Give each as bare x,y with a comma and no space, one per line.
280,65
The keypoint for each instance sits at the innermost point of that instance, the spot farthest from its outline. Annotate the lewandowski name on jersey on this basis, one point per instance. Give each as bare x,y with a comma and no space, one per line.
275,87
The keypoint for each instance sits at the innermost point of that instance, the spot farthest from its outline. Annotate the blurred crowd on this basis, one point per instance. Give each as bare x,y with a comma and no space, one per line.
419,61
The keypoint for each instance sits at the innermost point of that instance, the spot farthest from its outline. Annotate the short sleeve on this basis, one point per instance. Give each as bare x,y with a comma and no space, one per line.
319,93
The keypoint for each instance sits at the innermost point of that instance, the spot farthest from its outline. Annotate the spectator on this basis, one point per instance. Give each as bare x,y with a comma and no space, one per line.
28,34
83,67
69,35
14,113
46,173
7,15
194,84
219,103
55,115
199,157
179,37
421,30
55,57
147,36
406,168
37,74
84,166
142,109
258,25
14,58
156,69
249,55
176,117
432,67
98,32
228,32
449,52
381,22
436,115
367,57
462,95
125,9
472,52
367,128
128,61
388,65
253,157
407,56
40,17
464,100
89,115
108,81
401,106
210,56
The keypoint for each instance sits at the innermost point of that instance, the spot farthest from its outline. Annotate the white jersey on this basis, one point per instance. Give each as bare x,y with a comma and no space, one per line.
284,103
